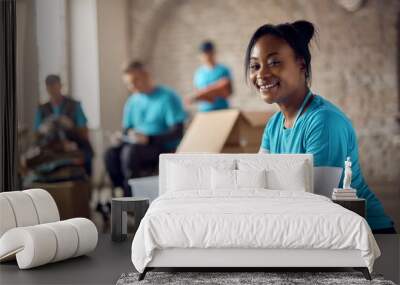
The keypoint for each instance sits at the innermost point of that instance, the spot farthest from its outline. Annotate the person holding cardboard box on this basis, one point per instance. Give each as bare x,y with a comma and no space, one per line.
212,81
153,119
278,64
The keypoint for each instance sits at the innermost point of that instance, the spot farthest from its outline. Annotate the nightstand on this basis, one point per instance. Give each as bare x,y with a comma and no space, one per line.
356,205
119,217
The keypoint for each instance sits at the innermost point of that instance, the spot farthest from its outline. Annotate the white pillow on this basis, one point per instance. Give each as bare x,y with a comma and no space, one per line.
183,177
281,174
236,179
251,179
223,179
292,179
190,176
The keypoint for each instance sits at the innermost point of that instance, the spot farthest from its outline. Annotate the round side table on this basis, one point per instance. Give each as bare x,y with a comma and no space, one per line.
119,217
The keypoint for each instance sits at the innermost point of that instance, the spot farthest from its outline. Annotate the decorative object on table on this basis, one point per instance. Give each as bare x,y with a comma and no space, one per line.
355,205
119,217
248,278
347,174
31,231
345,193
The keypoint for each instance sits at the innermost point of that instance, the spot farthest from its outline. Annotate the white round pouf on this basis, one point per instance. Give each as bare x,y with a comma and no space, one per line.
87,234
23,208
31,232
67,240
7,218
34,246
45,205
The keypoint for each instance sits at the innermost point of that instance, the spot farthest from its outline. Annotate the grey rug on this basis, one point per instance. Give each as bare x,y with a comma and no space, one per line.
225,278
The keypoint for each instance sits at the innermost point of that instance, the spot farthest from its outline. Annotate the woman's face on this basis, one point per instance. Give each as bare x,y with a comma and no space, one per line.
275,71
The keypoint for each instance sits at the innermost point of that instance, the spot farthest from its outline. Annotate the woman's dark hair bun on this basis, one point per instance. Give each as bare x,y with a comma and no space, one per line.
297,34
305,28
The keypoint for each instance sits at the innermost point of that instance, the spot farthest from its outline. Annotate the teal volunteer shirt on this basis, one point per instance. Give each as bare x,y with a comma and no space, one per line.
205,76
324,131
153,113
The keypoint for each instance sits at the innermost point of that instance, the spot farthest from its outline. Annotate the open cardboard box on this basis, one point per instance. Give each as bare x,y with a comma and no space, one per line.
226,131
71,197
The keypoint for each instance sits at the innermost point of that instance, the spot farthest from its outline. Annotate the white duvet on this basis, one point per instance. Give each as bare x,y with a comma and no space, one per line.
253,218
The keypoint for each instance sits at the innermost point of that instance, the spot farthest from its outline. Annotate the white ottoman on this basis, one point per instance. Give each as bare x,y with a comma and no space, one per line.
31,232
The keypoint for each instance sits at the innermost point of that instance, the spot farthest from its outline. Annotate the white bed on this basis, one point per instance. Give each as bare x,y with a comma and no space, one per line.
251,226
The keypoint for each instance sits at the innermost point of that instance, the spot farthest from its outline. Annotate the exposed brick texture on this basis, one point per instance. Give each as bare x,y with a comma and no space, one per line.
355,58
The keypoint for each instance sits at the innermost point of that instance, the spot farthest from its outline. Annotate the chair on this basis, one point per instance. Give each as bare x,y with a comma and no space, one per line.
31,231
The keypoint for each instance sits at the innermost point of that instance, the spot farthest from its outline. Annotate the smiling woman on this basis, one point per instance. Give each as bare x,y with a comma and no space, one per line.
278,65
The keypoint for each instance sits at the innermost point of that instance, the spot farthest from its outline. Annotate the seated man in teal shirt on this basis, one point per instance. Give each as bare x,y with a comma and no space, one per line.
152,122
278,64
62,119
212,81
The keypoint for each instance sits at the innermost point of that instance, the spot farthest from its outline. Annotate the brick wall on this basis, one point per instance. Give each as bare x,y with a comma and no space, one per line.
355,58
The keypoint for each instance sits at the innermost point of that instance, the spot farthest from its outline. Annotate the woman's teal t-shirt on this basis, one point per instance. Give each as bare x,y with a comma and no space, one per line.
325,131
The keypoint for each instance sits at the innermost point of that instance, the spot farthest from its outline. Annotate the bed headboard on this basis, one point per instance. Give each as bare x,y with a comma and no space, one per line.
285,160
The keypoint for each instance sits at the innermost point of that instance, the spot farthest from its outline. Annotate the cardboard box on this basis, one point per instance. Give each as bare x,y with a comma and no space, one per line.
71,197
226,131
240,149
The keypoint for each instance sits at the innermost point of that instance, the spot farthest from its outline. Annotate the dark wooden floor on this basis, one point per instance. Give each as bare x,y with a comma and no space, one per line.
103,266
106,264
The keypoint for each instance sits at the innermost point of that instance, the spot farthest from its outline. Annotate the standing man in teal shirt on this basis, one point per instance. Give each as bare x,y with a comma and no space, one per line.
212,80
278,64
152,123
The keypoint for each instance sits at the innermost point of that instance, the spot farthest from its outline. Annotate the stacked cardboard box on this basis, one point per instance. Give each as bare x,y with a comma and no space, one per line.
71,197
